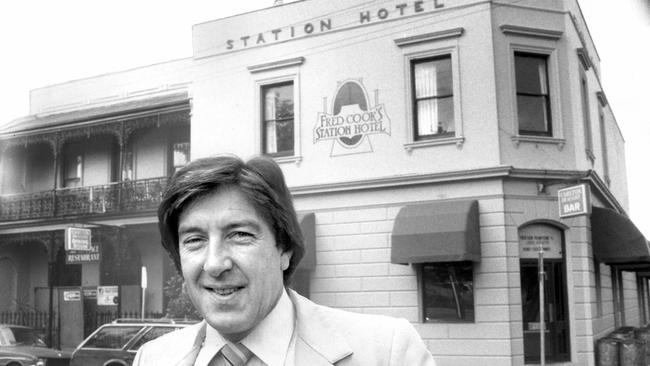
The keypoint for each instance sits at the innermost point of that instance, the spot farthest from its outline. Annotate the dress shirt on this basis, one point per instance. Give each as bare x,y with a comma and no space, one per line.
272,341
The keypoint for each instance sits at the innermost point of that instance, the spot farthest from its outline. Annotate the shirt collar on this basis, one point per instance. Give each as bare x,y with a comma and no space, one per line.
271,335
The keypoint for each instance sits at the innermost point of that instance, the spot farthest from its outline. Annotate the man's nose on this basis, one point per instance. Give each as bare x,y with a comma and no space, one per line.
218,259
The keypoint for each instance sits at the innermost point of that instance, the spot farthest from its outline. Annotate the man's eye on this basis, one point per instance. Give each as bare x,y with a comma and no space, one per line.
192,241
240,235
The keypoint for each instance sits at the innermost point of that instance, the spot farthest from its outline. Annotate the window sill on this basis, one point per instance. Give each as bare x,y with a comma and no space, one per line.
288,159
435,142
539,140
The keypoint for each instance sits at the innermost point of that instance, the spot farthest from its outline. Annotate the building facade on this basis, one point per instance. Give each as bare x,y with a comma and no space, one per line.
424,142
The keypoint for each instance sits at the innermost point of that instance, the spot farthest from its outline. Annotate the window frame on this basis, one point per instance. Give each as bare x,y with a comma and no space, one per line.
264,121
603,142
586,115
546,97
553,80
423,50
415,100
277,72
421,294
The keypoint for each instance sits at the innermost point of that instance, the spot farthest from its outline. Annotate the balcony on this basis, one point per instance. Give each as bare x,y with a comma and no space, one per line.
131,196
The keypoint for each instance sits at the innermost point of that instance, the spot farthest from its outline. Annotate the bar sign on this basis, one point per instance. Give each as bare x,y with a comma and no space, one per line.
574,201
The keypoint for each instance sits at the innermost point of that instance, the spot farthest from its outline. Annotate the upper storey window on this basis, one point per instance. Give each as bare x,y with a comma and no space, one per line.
278,119
533,97
433,102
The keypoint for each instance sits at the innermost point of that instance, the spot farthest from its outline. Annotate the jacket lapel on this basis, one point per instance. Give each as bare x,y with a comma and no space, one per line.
189,358
317,343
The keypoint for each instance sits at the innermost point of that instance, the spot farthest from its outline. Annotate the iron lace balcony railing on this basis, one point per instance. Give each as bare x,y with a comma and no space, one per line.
120,197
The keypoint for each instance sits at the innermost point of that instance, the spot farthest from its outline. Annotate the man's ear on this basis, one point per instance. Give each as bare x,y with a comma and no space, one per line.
285,259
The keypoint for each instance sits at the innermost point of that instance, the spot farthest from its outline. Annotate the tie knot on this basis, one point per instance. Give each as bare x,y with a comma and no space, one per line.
236,354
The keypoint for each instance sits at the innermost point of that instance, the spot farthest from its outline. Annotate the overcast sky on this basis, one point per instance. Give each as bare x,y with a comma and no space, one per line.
46,42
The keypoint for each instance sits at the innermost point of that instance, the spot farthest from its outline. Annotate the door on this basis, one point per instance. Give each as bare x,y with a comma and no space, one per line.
556,323
71,316
556,320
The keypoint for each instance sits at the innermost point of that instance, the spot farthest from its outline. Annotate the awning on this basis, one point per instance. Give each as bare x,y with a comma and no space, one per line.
446,231
616,240
308,226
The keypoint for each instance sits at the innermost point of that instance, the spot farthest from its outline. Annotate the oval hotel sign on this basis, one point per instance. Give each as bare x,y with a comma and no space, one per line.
351,121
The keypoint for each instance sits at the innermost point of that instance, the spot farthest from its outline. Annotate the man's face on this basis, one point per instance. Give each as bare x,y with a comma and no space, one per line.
230,262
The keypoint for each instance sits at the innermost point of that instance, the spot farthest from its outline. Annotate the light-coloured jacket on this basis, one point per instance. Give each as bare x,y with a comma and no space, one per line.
325,337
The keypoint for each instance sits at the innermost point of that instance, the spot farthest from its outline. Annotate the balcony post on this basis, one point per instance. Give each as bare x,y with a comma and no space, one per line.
56,150
120,168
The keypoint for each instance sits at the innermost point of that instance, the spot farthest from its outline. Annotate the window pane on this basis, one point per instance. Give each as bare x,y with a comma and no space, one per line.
433,78
448,291
531,74
112,337
181,154
435,116
532,114
278,102
278,119
279,136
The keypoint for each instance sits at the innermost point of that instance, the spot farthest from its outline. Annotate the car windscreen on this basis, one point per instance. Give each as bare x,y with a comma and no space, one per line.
153,333
112,337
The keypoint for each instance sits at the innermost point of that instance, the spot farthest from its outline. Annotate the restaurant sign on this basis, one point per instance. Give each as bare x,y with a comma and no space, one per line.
574,201
351,121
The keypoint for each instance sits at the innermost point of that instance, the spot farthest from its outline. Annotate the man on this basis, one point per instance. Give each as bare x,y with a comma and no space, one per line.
232,231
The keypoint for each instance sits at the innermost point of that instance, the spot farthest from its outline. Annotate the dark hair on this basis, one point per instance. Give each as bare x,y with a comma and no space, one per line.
260,179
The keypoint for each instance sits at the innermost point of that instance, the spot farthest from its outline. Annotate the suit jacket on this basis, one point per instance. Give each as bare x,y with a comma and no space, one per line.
325,337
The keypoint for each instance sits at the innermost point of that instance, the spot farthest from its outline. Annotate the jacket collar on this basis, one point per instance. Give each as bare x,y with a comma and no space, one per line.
317,343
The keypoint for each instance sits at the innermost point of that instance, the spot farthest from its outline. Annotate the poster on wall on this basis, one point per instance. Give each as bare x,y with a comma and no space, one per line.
352,120
107,295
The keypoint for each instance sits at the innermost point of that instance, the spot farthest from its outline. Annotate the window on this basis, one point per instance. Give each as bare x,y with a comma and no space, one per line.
584,91
599,288
603,143
448,292
181,154
533,97
277,119
152,334
112,337
433,97
73,171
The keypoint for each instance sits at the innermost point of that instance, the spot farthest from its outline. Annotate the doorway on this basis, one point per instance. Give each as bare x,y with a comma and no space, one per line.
556,319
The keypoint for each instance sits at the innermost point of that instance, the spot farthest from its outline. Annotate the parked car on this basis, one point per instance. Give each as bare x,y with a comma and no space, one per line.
116,344
10,358
23,341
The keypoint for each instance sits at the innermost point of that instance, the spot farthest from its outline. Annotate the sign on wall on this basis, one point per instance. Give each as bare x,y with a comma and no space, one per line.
74,295
107,295
574,201
532,238
78,239
351,121
86,256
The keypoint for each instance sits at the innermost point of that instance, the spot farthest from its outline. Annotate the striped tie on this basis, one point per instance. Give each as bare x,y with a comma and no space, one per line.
236,354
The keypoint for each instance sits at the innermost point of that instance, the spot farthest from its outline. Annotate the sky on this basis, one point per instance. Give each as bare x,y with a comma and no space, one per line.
46,42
